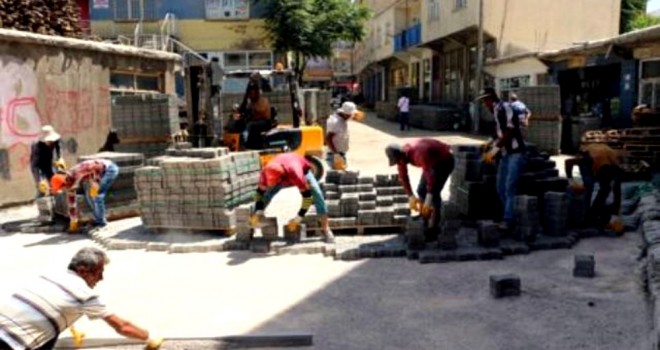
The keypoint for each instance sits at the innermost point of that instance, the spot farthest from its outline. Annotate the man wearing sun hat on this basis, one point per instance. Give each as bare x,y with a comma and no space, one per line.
286,170
337,135
45,156
96,176
437,162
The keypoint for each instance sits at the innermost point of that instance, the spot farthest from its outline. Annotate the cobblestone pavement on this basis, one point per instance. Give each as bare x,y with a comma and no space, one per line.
368,304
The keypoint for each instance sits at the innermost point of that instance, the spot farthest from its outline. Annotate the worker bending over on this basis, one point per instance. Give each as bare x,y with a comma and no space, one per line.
95,176
598,163
437,162
285,170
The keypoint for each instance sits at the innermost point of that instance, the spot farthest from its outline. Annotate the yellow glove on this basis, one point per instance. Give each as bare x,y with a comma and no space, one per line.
73,226
255,218
414,203
294,223
43,187
427,209
485,147
489,157
153,343
94,190
60,165
616,225
78,337
338,162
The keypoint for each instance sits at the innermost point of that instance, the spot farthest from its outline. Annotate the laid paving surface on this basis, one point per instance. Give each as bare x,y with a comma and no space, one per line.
366,304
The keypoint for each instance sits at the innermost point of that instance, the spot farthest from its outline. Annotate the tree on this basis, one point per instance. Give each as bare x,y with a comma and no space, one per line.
630,11
309,28
643,20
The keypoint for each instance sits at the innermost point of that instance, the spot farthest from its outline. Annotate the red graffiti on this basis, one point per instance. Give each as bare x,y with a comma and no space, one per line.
13,107
22,151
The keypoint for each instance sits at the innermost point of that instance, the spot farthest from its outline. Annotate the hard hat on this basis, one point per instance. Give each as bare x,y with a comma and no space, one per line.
57,182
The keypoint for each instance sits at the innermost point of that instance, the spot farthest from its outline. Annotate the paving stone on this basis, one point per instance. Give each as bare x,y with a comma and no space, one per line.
488,234
158,246
468,253
261,246
367,196
447,240
366,180
412,254
504,285
431,256
585,266
234,245
293,236
547,242
332,195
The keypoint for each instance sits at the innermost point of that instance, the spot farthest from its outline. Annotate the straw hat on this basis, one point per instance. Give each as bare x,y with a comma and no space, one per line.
48,134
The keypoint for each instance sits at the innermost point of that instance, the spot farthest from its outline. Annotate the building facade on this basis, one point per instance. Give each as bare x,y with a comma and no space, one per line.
431,45
230,30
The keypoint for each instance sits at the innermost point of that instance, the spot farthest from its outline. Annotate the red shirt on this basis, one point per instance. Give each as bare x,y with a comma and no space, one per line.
89,170
287,169
423,153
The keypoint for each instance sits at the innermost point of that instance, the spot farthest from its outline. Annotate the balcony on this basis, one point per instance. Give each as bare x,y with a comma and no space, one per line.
409,37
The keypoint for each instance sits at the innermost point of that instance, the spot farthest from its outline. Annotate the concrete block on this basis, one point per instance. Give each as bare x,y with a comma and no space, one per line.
367,205
261,246
487,234
585,266
504,285
332,195
368,196
363,180
294,236
447,240
509,247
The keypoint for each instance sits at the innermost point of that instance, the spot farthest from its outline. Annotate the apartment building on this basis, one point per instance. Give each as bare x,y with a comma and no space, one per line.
231,30
431,45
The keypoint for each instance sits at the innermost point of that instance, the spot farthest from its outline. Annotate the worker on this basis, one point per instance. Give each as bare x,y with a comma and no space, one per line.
337,135
35,315
258,117
46,158
509,141
525,113
598,163
95,176
285,170
437,162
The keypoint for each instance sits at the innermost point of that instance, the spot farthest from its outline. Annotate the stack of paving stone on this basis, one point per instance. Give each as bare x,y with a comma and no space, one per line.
528,220
121,200
362,201
473,182
197,189
555,214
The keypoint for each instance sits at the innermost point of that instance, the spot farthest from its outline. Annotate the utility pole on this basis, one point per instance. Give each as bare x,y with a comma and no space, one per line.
480,67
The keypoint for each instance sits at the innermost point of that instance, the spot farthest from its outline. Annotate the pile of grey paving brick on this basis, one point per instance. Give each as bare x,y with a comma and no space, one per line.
196,189
121,199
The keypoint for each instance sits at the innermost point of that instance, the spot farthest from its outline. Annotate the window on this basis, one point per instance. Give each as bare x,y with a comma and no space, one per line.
236,60
650,83
227,9
249,60
433,10
514,83
134,10
259,60
131,81
461,4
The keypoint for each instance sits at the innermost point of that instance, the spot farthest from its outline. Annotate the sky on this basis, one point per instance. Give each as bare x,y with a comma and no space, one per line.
653,5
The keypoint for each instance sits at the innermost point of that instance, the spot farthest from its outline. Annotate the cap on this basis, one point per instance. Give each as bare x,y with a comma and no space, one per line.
48,134
393,152
348,107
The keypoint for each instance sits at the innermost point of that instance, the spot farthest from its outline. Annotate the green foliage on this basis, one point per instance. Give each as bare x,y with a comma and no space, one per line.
309,28
644,20
631,10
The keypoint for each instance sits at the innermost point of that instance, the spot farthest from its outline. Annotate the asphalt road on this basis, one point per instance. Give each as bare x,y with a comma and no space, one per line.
369,304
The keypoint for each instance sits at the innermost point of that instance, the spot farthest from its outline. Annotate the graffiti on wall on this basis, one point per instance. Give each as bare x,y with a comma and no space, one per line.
25,107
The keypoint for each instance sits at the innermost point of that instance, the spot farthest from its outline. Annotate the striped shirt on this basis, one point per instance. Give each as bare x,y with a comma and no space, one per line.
89,170
45,307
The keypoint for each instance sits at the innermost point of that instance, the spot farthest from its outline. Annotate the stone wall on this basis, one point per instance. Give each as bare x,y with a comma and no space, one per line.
64,83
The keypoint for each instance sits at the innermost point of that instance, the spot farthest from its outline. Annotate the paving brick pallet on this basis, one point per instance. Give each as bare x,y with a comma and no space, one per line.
362,204
197,189
121,201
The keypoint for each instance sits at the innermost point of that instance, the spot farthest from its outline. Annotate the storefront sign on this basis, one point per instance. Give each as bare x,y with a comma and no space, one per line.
101,4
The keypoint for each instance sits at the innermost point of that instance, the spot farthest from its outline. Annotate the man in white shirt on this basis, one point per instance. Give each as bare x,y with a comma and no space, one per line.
404,112
337,135
35,315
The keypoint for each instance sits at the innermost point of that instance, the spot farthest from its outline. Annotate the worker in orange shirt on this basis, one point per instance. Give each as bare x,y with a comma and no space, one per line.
598,163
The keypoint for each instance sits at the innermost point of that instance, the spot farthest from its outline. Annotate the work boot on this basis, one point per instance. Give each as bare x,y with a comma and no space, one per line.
328,236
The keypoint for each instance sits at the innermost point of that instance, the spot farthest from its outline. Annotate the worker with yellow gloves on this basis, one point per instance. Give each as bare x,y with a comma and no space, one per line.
95,176
37,312
437,162
285,170
46,158
509,143
598,163
337,134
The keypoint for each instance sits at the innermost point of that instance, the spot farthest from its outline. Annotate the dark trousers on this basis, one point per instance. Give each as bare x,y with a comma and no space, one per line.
440,173
609,180
404,121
